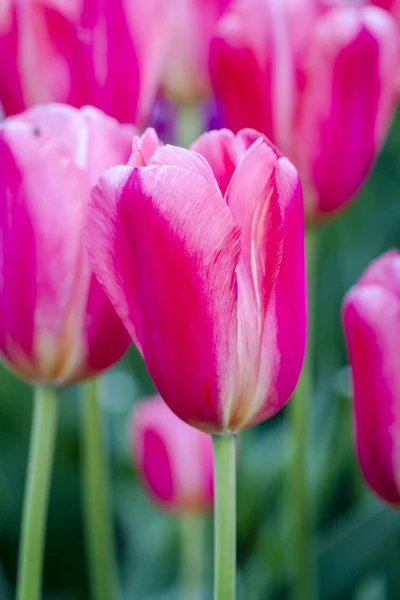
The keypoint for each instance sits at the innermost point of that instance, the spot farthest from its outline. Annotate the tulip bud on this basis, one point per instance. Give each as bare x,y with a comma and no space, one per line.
371,314
318,80
201,252
175,461
56,323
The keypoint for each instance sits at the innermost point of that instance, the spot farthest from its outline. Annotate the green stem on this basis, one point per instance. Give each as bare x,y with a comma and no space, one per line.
96,501
41,452
224,447
303,559
192,555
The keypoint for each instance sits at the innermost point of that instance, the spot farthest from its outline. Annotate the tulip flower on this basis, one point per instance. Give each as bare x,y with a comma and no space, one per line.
371,315
174,460
56,323
186,76
201,252
317,78
107,53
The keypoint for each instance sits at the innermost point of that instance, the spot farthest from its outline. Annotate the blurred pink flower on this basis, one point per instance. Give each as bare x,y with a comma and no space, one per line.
371,314
56,323
175,460
108,53
318,79
186,76
201,252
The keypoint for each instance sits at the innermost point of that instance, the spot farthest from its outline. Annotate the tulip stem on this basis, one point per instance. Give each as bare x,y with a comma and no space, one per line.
224,448
96,498
304,587
192,555
36,500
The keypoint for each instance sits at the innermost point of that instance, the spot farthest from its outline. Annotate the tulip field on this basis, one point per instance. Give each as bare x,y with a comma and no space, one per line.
199,300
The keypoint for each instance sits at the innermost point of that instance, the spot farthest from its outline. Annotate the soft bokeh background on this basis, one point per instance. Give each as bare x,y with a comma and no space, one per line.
357,539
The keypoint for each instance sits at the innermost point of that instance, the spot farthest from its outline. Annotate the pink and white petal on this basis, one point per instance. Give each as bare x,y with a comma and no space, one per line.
186,159
372,325
222,152
256,207
285,328
41,176
164,245
94,140
143,148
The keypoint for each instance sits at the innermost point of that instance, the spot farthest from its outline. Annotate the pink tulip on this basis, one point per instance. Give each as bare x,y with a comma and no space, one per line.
372,325
186,76
56,323
108,53
318,79
201,252
175,461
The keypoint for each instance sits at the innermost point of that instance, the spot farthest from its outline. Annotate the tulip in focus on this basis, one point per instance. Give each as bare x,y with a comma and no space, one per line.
56,324
175,460
186,76
201,252
107,53
371,314
318,78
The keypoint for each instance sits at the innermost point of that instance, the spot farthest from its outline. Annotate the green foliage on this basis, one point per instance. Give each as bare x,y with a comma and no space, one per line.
357,538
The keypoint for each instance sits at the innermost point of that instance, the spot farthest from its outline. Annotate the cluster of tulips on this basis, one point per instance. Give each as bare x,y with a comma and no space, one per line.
195,254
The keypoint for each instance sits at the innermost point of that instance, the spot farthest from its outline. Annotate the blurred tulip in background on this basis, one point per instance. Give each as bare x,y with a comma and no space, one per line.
371,314
175,461
186,77
318,79
108,53
56,323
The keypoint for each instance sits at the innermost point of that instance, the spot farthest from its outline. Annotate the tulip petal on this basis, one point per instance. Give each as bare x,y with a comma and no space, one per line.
255,204
222,150
289,304
95,141
143,148
186,159
372,323
180,303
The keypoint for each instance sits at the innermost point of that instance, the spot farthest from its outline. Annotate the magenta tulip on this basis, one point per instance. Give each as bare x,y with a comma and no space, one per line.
108,53
56,323
201,252
371,315
318,79
175,461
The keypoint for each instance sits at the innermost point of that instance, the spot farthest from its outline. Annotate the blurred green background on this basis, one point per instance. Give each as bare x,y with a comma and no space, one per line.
357,538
